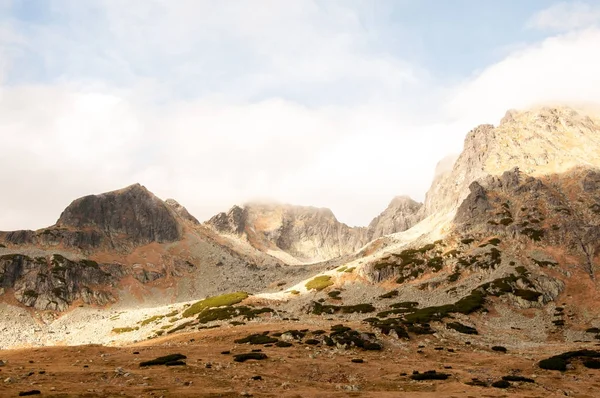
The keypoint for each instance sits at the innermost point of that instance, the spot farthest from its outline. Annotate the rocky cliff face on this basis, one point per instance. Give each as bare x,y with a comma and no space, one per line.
308,234
540,141
117,220
400,215
133,213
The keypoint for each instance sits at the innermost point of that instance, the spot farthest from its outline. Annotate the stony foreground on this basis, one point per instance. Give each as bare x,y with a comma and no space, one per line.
209,365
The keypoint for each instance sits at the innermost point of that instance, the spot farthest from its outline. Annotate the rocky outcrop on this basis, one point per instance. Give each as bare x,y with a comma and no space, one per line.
54,283
117,220
133,213
539,142
308,234
400,215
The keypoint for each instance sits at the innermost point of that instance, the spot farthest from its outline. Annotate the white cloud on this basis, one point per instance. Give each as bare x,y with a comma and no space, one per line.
214,104
566,15
561,69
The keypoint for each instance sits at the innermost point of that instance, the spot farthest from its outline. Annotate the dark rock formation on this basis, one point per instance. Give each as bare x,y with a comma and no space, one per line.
133,213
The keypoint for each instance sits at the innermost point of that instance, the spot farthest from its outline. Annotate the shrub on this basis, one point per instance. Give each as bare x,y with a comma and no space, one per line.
592,364
518,379
251,355
256,339
553,363
216,301
163,360
459,327
319,283
429,375
501,384
390,294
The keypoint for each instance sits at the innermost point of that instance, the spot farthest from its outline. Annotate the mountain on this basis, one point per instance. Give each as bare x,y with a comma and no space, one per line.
298,234
295,234
505,251
401,214
548,140
127,247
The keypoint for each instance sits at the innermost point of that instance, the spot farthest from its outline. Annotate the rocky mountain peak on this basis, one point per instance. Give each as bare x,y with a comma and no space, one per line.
401,214
133,212
538,141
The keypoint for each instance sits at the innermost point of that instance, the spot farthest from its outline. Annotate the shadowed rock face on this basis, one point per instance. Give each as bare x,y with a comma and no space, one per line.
134,212
56,282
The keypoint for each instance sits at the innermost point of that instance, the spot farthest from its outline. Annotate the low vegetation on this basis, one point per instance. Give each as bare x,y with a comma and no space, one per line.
124,330
319,283
166,360
216,301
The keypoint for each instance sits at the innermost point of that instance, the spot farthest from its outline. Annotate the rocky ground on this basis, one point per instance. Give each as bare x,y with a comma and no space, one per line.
209,368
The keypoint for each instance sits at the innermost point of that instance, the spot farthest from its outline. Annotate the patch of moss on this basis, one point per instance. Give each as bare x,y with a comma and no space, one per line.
180,327
319,283
519,379
163,360
553,363
405,304
342,269
294,292
436,263
251,355
350,270
459,327
257,339
390,294
150,320
216,301
429,375
124,330
319,309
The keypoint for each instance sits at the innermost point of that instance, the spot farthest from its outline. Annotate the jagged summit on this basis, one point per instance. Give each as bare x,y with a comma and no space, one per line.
308,234
400,215
538,141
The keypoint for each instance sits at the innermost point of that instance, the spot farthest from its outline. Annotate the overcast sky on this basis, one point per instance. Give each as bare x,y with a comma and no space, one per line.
341,104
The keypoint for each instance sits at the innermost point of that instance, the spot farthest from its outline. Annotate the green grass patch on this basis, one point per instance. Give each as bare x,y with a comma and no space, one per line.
124,330
216,301
319,283
148,321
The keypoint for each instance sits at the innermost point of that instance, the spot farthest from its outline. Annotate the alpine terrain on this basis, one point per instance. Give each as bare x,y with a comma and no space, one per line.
491,284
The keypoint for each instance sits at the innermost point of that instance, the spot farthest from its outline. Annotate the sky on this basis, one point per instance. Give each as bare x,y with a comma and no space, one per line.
330,103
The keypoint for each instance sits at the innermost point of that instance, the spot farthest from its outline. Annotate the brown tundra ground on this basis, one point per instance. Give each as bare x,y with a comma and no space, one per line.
301,370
